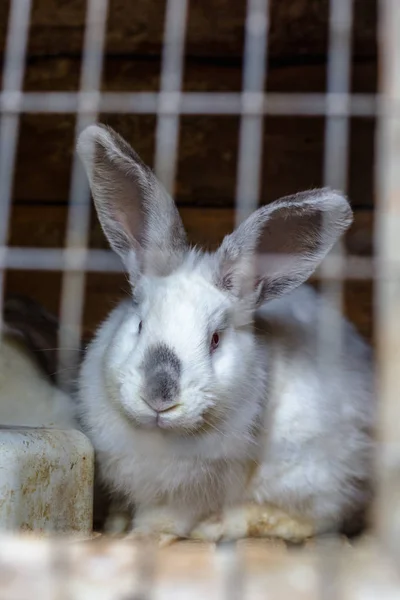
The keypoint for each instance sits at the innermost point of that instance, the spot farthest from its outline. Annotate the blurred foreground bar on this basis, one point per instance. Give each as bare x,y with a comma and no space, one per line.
388,288
116,569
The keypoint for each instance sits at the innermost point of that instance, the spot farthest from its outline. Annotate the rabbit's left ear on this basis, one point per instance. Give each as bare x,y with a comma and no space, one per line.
137,215
280,245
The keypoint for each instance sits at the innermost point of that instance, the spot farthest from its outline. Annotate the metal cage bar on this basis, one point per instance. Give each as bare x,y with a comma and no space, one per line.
335,172
13,80
251,123
167,131
55,259
330,334
79,207
201,103
387,240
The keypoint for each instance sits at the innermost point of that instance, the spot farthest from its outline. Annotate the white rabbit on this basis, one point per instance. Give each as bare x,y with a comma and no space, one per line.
28,394
203,393
27,397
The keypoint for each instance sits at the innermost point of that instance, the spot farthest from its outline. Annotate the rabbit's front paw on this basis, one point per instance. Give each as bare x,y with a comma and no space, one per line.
209,530
162,523
231,524
252,520
159,538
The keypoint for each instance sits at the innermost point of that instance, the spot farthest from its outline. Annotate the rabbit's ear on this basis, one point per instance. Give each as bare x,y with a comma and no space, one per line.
280,245
137,215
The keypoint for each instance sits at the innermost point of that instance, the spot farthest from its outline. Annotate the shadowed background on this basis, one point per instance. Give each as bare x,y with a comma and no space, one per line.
293,147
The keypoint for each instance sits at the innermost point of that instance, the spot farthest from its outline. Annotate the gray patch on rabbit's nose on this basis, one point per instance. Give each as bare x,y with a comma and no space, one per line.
161,357
162,369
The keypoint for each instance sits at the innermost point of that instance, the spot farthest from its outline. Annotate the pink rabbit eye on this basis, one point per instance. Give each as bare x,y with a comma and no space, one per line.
214,342
140,327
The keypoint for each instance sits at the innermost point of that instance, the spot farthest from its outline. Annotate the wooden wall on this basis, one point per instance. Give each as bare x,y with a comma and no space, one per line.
293,147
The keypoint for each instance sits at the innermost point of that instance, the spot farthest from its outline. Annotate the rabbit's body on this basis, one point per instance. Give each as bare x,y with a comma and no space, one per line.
301,443
27,397
320,410
207,396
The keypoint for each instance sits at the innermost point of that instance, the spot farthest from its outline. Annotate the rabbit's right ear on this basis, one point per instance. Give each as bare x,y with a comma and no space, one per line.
137,215
280,245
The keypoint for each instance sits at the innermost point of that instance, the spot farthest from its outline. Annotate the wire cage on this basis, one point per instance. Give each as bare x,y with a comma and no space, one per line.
114,568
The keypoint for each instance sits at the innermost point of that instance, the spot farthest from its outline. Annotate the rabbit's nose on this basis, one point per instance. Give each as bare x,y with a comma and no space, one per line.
161,391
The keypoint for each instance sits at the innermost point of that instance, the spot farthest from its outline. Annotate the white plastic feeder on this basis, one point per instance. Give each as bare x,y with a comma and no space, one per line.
46,480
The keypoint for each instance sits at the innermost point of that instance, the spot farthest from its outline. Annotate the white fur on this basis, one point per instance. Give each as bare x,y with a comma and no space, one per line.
26,396
261,421
313,441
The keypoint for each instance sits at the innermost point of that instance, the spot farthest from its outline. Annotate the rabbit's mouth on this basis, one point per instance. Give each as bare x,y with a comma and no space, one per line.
182,418
175,421
150,421
171,420
161,420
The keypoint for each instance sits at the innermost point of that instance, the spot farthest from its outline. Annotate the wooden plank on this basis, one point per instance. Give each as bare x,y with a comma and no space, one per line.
44,226
215,27
130,74
293,147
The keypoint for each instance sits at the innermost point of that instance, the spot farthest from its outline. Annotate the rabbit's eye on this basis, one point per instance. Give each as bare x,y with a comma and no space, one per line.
140,327
214,342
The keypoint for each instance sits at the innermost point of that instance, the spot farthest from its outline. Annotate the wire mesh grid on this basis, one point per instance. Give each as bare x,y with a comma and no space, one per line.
251,570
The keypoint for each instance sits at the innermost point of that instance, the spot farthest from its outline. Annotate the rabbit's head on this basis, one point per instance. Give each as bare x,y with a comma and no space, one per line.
183,358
